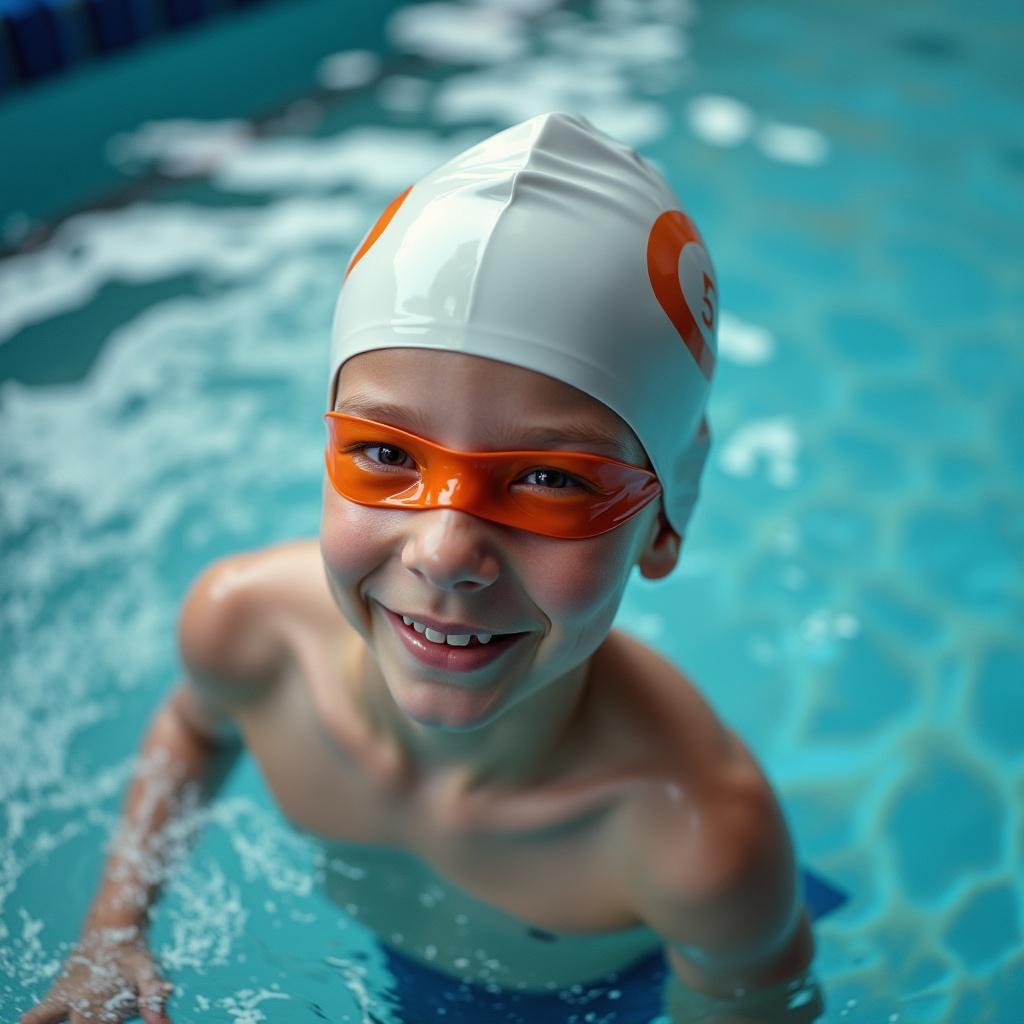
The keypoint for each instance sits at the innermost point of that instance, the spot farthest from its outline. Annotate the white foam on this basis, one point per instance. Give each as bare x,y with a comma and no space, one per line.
243,1006
181,147
771,443
792,143
825,625
377,159
457,34
744,343
630,45
348,69
371,157
725,121
509,95
720,120
403,94
211,917
528,8
152,242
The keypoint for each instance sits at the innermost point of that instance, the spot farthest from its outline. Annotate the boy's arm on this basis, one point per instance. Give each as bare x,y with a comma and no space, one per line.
190,745
186,747
718,881
110,973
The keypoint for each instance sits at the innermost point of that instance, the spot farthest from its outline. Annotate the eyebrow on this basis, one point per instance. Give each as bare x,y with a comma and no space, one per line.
523,438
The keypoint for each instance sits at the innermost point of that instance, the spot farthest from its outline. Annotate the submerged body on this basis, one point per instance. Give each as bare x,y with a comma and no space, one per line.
438,872
541,876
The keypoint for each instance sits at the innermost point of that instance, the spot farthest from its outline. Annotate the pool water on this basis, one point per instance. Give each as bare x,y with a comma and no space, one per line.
851,593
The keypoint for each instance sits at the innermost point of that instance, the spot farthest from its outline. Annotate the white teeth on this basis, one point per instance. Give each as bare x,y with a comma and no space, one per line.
453,640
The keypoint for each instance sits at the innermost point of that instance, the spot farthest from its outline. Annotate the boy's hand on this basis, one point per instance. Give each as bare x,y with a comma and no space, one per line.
109,976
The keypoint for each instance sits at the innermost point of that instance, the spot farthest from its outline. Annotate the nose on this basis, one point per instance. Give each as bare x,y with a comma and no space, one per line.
450,549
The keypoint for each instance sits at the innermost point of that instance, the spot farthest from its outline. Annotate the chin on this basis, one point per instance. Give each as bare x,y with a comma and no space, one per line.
448,706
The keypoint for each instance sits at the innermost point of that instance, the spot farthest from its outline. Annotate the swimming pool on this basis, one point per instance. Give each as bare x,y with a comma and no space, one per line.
851,593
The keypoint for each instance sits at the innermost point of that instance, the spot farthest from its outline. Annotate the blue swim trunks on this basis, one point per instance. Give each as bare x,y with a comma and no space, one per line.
631,995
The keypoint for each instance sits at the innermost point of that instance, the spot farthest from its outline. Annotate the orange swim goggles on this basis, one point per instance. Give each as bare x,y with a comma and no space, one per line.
558,494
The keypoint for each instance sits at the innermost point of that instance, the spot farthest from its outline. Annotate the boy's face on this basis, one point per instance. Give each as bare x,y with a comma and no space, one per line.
448,566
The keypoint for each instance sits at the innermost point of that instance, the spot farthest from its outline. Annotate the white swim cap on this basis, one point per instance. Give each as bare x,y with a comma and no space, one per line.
555,248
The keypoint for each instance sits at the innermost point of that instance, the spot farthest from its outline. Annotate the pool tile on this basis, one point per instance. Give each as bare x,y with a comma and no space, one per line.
945,824
970,558
870,340
960,472
785,585
978,365
972,1006
867,460
835,531
916,410
1010,432
884,605
868,690
1008,987
928,972
937,277
996,704
816,261
986,927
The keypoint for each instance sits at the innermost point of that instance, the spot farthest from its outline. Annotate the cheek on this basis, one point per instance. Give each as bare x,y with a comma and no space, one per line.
577,578
347,532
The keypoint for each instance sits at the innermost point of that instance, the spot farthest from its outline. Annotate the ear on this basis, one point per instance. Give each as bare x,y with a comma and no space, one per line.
661,552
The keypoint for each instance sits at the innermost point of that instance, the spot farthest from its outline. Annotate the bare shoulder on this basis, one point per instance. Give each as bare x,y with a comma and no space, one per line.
233,628
685,762
706,848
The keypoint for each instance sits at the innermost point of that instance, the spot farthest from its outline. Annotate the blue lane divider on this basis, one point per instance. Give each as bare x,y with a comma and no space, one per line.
39,38
115,24
184,12
34,39
7,74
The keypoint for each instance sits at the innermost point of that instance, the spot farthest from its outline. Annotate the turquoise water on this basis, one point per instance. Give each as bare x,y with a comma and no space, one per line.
851,594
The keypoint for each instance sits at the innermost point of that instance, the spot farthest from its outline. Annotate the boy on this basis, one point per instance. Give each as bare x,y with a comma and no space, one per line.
521,358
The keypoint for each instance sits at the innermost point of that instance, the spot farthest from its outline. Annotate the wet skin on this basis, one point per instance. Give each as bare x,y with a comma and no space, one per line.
578,783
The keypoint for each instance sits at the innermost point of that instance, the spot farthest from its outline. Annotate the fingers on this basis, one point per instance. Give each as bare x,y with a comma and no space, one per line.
111,989
153,993
153,1013
49,1011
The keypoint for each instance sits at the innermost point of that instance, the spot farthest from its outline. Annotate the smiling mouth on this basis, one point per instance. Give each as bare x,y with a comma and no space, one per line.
435,636
450,651
455,639
457,635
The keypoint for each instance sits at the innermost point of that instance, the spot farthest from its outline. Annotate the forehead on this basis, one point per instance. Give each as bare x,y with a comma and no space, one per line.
475,403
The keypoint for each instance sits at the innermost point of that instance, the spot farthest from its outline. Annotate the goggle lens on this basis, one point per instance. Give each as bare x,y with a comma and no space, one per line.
559,494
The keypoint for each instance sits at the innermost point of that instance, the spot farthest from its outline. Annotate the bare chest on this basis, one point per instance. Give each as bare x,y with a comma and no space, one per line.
543,857
540,895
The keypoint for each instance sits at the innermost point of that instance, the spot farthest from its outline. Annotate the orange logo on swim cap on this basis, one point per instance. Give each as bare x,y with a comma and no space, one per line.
675,286
377,230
